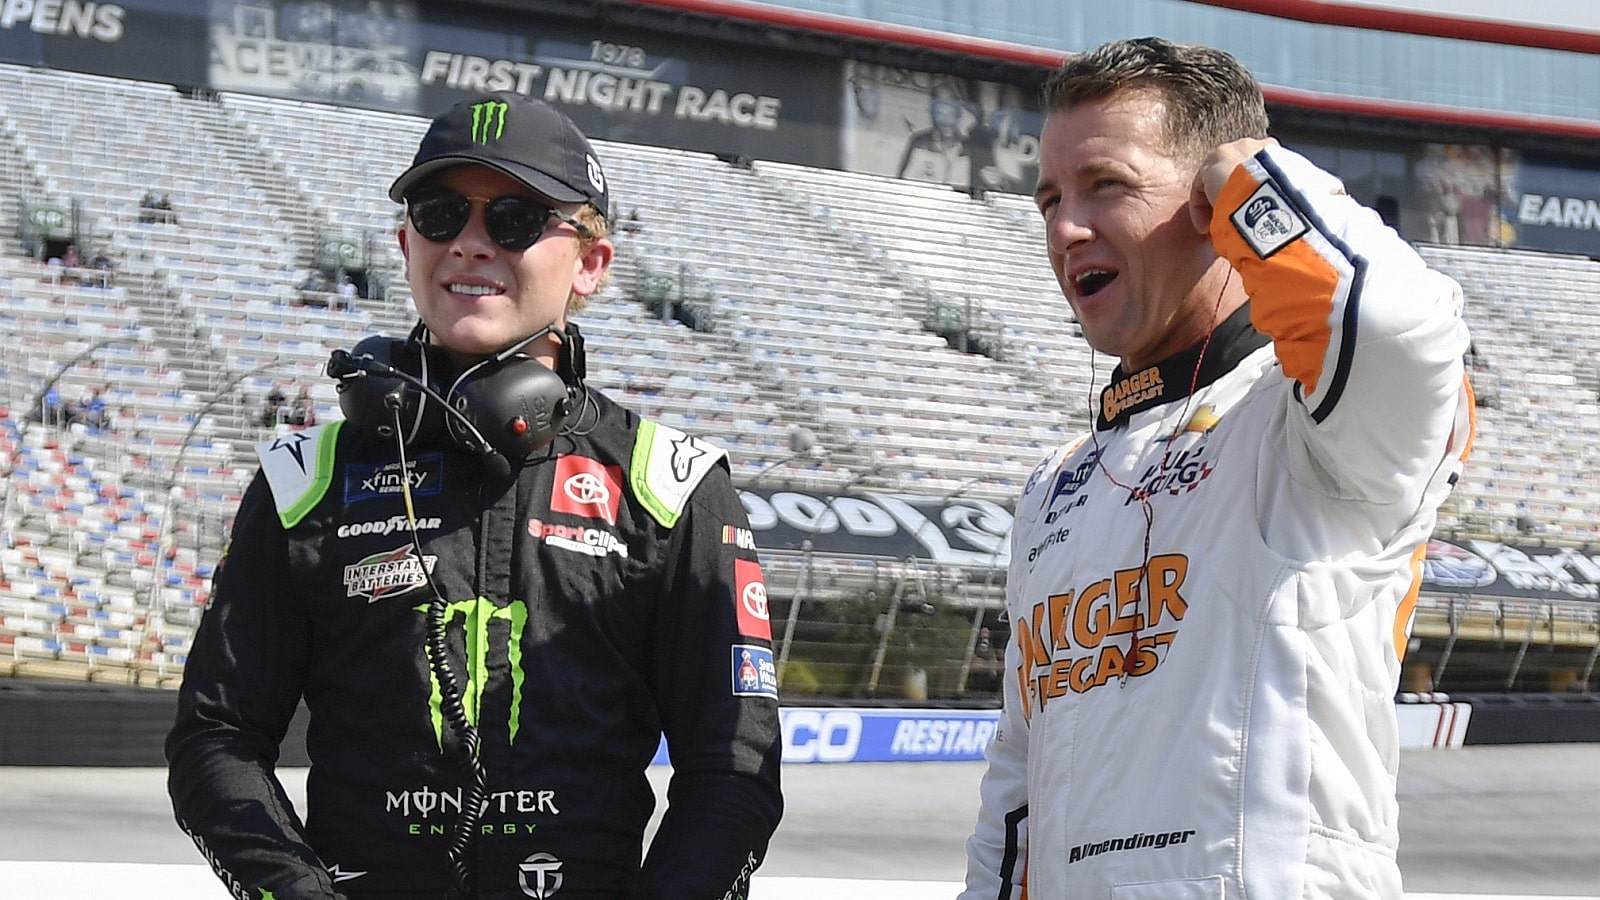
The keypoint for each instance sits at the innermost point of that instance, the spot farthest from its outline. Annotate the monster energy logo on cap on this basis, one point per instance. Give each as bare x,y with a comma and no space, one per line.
521,136
488,121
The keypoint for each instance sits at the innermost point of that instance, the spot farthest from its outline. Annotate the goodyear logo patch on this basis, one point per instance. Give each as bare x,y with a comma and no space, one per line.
1268,222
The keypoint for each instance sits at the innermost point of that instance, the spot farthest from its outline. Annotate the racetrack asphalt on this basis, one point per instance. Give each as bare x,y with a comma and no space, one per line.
1476,822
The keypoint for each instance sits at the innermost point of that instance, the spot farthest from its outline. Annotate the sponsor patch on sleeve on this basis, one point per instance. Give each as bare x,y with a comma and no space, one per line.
1267,221
754,674
754,621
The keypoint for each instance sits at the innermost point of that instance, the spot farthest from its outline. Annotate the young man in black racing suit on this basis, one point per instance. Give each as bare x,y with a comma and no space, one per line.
494,589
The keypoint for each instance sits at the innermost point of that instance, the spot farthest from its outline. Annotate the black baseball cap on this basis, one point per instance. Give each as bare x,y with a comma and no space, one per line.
526,138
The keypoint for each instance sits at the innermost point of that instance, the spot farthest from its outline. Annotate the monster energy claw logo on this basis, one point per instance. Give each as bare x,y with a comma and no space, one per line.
482,624
488,121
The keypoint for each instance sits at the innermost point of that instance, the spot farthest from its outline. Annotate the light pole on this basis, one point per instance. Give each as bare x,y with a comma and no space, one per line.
977,616
808,564
802,443
164,535
807,568
37,402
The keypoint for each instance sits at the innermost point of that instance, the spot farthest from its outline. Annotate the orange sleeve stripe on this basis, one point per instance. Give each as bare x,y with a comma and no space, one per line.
1408,605
1470,401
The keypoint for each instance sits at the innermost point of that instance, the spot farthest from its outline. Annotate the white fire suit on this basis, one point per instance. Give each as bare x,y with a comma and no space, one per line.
1211,593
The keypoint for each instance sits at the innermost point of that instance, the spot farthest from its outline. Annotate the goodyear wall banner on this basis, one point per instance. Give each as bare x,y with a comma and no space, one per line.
955,532
974,533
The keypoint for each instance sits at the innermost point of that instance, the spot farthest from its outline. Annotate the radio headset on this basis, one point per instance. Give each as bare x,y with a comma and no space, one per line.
501,408
506,404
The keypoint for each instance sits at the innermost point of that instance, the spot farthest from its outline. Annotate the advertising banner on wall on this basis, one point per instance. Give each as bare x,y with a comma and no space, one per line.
1551,206
955,532
1480,196
970,532
360,55
1460,186
864,735
149,40
615,83
1511,571
972,135
653,89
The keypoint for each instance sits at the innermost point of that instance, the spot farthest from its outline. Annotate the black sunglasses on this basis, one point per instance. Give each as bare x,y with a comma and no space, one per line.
514,222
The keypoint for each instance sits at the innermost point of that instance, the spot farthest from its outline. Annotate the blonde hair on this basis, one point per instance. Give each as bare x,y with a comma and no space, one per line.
599,229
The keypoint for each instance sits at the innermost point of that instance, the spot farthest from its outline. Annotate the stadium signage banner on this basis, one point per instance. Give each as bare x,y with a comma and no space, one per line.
854,735
149,40
956,531
618,83
1496,569
1554,207
975,533
845,735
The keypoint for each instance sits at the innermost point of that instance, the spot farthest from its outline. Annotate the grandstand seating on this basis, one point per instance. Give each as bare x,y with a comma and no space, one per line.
814,295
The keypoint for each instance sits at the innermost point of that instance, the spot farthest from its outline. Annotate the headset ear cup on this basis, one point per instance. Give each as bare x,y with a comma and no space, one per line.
365,398
517,405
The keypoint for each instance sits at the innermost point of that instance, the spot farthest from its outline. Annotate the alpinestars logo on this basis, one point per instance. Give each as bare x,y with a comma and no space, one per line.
294,445
488,121
685,452
387,574
483,625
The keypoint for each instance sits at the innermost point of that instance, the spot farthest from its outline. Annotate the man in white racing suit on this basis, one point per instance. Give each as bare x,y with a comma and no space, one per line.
1210,593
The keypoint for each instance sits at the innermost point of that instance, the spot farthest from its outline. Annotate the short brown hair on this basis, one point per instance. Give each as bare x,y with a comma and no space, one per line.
1210,98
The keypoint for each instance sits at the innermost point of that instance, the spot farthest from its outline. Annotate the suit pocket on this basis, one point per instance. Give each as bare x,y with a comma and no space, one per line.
1208,888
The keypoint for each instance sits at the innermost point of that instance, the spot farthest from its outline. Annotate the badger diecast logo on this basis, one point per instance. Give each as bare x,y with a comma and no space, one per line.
1083,639
1267,221
387,574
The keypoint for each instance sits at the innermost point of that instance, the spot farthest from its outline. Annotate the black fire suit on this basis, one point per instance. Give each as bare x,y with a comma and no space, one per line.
602,595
